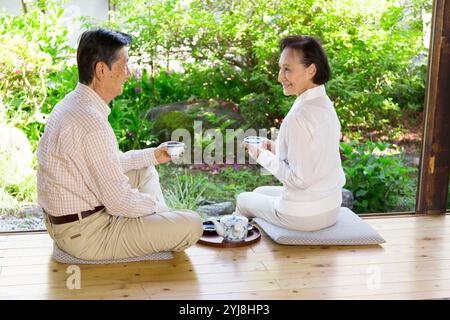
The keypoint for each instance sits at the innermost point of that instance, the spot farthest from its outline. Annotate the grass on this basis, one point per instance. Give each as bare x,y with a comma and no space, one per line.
185,191
186,188
17,186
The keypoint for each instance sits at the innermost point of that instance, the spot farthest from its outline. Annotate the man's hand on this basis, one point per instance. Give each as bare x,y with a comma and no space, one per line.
161,154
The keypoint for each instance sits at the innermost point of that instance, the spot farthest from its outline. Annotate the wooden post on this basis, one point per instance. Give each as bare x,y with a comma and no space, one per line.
432,192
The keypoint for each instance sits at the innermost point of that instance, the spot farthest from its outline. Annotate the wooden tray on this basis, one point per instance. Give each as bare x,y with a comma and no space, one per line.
211,238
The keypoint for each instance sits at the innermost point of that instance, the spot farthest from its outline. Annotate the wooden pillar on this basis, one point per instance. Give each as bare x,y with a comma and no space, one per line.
432,192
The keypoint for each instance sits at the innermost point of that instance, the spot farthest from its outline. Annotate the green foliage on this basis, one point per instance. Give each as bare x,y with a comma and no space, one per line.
131,129
233,180
187,187
33,47
369,77
16,185
169,87
254,109
23,68
167,122
60,83
8,204
378,177
183,190
40,26
230,50
222,183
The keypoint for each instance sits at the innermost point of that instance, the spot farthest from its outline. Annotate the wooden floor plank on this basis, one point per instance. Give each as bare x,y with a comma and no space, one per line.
414,263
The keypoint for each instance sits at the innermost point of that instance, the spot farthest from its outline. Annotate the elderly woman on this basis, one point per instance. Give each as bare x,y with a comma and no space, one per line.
305,157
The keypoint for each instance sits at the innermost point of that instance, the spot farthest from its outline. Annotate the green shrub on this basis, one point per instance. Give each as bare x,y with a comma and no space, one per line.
132,130
378,177
17,187
210,182
255,109
234,50
23,71
167,122
33,47
183,190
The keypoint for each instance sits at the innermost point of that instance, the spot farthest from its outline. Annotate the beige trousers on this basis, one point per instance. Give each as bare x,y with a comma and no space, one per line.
104,236
261,204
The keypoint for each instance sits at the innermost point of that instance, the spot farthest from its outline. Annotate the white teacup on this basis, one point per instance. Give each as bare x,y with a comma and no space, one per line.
175,149
254,140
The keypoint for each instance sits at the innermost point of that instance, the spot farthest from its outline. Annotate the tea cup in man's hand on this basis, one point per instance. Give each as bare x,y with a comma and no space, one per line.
175,149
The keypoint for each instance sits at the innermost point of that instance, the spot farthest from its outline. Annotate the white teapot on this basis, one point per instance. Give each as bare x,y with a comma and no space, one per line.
231,227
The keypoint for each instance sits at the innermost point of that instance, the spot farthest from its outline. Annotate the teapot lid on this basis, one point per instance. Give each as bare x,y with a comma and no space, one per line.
230,218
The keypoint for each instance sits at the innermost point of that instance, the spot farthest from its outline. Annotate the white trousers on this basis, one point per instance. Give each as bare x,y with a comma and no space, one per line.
261,204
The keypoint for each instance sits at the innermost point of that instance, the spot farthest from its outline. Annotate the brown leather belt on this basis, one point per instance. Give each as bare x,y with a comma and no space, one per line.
73,217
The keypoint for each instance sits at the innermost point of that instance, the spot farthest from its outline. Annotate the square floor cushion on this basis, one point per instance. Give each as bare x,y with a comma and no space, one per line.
64,257
349,229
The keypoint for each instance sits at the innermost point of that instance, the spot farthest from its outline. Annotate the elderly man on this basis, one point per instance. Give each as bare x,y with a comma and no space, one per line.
100,203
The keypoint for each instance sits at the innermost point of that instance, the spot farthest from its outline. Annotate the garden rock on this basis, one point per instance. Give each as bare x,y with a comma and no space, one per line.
197,109
347,198
15,145
217,209
177,106
31,210
206,202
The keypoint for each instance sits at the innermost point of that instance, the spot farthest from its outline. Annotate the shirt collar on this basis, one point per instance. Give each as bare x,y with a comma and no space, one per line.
92,96
311,94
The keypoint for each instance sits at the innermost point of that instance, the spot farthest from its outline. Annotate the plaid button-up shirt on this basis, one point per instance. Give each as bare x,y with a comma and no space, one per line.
80,165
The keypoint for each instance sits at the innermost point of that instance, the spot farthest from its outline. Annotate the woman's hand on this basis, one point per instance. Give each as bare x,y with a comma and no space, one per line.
161,154
253,151
269,145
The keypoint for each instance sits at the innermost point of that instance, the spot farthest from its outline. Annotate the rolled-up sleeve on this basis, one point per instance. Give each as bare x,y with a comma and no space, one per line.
108,181
137,159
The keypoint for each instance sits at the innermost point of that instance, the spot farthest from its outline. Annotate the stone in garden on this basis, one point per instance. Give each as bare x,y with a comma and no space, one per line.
347,198
197,109
177,106
217,209
206,202
31,210
14,144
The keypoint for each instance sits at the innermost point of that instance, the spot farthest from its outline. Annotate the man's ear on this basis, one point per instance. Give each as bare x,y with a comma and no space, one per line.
99,70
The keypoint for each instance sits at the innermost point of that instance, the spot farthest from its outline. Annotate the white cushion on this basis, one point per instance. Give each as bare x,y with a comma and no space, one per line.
64,257
349,229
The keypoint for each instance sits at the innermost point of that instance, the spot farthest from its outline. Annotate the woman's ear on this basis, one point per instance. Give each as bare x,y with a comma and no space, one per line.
312,70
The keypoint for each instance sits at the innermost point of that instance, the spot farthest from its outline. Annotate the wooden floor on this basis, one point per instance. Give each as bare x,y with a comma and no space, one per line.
413,264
